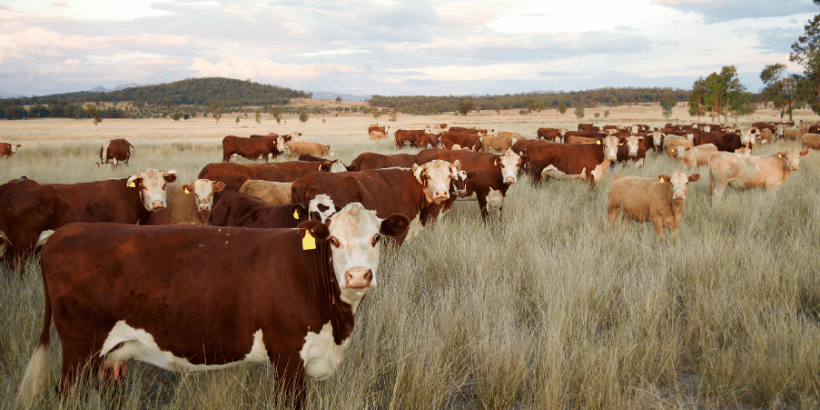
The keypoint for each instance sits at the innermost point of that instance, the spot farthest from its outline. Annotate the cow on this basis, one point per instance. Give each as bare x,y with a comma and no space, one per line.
8,149
500,144
551,134
251,148
747,136
427,138
273,193
298,148
457,140
744,172
115,151
489,176
334,166
282,297
234,175
188,204
570,161
469,130
698,155
587,127
247,211
660,200
421,194
377,135
521,147
657,141
631,148
793,134
765,135
369,161
577,139
675,146
810,141
724,141
376,128
510,135
30,212
407,136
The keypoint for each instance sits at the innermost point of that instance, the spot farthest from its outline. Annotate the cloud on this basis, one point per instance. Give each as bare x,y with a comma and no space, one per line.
38,41
241,67
244,11
715,11
72,63
60,4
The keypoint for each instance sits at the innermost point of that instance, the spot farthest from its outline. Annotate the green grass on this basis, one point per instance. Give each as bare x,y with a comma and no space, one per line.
545,307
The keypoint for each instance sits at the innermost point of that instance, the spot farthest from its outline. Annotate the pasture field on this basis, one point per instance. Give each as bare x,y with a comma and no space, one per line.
542,308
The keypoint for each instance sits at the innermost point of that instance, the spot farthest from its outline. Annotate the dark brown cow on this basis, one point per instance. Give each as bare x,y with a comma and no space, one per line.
252,148
370,160
407,136
469,130
457,141
238,209
570,161
490,175
421,194
207,297
521,147
724,141
428,138
551,134
335,166
115,151
7,150
587,127
234,175
29,211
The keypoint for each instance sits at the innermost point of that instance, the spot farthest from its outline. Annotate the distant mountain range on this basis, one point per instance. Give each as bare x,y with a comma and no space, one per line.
330,95
101,89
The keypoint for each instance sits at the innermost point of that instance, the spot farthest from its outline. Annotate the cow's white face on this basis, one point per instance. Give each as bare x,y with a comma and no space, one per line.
562,131
634,130
280,144
509,164
632,144
435,178
657,138
330,152
680,183
610,145
14,148
323,206
355,235
791,158
747,138
203,191
151,185
337,166
690,137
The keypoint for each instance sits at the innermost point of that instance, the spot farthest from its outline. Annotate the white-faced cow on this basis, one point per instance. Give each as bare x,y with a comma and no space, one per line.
188,204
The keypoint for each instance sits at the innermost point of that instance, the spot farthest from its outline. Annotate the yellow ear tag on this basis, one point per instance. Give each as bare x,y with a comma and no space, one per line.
662,180
320,167
186,190
520,152
308,242
295,215
132,184
598,142
780,155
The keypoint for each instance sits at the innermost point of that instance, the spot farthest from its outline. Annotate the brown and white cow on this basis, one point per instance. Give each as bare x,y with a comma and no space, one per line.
766,135
551,134
699,155
510,135
234,175
744,172
451,140
571,161
403,137
288,298
657,140
7,149
263,147
188,204
334,166
376,135
29,211
632,149
239,209
658,200
273,193
298,148
115,151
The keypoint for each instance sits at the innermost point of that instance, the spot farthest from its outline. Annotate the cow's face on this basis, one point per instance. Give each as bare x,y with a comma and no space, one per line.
280,144
509,164
151,185
562,131
791,158
330,151
460,183
354,236
634,129
690,137
203,191
747,138
680,183
337,166
435,178
657,139
321,207
610,145
14,148
632,144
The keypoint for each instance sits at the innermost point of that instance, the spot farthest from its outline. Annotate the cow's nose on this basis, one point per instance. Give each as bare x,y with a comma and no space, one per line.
158,204
204,208
442,194
633,154
680,196
795,168
509,180
358,278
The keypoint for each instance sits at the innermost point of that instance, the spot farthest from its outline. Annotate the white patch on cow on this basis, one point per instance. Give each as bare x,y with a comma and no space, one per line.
599,170
320,355
552,172
233,158
495,200
456,147
322,199
105,153
280,144
632,145
204,193
4,242
415,227
690,137
338,167
438,176
43,237
680,183
139,345
511,164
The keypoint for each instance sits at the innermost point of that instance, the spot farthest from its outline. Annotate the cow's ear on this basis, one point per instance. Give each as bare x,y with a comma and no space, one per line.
299,211
804,153
170,176
417,172
328,146
188,189
134,180
495,161
662,178
457,164
780,155
694,178
218,186
394,225
317,229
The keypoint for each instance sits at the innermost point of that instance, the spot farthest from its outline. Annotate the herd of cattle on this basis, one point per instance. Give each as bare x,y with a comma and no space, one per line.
201,289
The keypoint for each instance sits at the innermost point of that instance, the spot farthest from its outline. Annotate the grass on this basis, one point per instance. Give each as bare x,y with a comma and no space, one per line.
545,307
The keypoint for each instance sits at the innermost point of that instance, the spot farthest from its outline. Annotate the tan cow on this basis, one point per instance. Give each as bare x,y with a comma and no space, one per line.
497,143
810,141
794,134
744,172
766,136
510,135
660,200
377,135
189,204
672,149
298,148
274,193
695,156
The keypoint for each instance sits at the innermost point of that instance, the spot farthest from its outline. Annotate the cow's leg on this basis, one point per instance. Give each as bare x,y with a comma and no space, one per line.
613,209
482,203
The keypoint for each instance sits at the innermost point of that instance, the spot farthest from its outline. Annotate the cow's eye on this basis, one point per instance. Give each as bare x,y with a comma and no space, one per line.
333,241
376,239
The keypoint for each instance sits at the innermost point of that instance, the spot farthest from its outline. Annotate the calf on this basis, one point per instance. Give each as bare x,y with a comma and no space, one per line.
407,136
376,135
571,161
428,138
298,148
206,298
273,193
551,134
744,172
188,204
699,155
660,200
7,150
115,151
376,128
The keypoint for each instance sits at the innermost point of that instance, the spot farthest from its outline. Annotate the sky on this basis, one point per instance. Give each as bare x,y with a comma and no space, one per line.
386,47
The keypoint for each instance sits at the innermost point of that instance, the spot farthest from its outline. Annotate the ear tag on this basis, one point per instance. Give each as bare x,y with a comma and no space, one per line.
308,242
416,172
320,167
295,214
132,184
780,155
520,152
662,181
186,190
598,142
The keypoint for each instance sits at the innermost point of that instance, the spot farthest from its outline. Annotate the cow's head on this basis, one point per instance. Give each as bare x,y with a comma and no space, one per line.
657,139
509,164
562,131
791,158
635,129
610,146
14,148
680,183
354,235
151,186
330,151
336,166
747,138
280,144
321,207
435,178
690,136
203,191
460,183
632,143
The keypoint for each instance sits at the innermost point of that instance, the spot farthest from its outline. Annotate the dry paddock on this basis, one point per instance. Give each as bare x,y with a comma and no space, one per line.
544,307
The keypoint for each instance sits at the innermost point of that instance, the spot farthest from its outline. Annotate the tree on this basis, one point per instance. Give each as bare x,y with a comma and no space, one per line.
176,116
697,98
258,116
278,120
338,98
579,112
464,106
781,87
303,116
216,108
276,111
237,119
721,89
562,108
94,113
667,104
806,52
606,114
742,105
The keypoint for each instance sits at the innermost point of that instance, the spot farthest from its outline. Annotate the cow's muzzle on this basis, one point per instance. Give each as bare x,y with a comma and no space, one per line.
679,197
795,168
509,180
441,195
204,208
158,205
358,278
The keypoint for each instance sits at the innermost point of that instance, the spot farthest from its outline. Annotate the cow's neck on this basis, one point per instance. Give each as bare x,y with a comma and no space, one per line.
677,206
328,295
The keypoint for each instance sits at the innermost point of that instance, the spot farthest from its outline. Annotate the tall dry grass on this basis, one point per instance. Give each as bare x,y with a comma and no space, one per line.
543,307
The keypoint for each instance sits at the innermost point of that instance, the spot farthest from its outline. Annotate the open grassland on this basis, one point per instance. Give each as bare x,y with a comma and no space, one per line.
543,308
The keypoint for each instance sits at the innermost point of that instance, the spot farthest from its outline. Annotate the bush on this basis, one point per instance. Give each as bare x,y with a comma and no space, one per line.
579,112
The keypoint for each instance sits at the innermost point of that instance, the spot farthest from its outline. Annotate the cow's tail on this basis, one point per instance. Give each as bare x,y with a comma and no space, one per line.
35,378
129,144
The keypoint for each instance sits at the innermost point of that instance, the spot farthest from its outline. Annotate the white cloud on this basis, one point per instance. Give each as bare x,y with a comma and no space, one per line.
242,10
101,10
241,67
